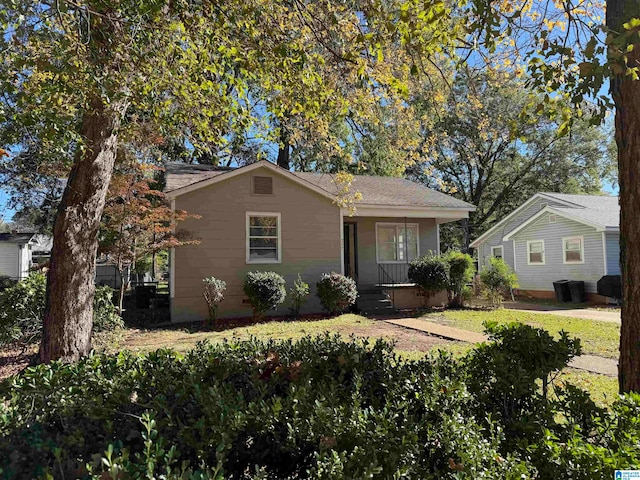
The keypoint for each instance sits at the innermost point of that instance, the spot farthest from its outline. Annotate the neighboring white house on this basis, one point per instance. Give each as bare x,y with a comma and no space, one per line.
20,251
555,236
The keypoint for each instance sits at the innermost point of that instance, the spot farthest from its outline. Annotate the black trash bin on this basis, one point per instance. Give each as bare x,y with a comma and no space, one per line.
144,294
562,290
578,294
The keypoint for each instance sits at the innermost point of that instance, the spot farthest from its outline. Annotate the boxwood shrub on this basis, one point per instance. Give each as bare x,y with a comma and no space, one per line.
336,292
266,290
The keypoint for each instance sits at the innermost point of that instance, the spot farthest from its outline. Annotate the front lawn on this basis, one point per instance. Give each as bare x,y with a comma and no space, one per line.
183,339
598,338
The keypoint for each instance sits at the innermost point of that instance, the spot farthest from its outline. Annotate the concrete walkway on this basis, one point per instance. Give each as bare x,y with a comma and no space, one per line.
590,363
612,316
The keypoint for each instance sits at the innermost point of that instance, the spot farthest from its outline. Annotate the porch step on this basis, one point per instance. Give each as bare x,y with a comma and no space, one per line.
374,301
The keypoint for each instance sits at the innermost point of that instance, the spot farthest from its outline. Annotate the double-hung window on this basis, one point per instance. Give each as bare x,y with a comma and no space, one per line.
535,252
263,238
573,250
396,242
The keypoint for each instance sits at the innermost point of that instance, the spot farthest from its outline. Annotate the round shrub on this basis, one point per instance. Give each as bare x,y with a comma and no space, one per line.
336,292
430,273
266,290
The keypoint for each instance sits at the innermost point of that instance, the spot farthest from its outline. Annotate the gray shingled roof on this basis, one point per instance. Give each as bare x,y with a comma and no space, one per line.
387,191
16,237
382,191
599,209
180,175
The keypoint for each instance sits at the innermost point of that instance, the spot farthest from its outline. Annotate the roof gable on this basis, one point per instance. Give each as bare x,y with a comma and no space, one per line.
205,178
595,210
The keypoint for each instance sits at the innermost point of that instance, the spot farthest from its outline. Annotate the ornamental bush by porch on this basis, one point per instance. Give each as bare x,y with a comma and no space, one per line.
336,292
431,273
266,290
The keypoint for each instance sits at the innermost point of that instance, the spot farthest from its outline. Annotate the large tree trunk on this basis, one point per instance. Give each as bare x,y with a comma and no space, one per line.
626,95
68,317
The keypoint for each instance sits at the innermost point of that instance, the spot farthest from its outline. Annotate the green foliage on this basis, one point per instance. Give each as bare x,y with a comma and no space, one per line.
430,273
280,409
298,295
105,316
503,373
461,270
213,294
266,290
275,409
22,311
336,292
496,279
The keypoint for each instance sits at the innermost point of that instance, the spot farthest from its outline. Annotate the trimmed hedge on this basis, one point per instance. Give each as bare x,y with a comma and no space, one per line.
318,408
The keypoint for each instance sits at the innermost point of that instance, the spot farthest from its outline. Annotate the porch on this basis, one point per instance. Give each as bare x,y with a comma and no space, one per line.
377,252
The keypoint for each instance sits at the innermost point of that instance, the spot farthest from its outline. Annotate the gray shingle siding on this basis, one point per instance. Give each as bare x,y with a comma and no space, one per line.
541,277
613,253
496,239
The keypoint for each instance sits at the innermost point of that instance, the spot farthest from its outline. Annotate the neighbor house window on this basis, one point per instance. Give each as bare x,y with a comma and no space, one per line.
263,238
496,252
396,242
535,252
573,250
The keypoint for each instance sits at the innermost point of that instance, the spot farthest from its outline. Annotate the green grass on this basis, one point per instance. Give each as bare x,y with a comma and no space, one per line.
570,305
597,338
603,389
182,340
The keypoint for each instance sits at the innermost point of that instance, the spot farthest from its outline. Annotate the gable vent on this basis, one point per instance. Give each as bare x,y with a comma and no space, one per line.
552,218
262,185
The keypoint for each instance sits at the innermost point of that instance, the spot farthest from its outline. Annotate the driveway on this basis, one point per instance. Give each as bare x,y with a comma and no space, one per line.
612,316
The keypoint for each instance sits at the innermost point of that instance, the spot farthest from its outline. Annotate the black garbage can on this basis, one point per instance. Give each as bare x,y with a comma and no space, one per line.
562,290
578,294
144,294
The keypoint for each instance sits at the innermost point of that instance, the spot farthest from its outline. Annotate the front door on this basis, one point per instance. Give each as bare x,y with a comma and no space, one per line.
351,250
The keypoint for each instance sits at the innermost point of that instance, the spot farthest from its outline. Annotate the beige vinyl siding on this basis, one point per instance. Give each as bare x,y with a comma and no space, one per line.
310,239
541,277
613,253
367,262
9,260
484,251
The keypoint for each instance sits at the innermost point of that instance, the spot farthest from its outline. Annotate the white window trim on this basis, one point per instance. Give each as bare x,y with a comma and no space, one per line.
544,255
396,224
501,251
248,230
564,257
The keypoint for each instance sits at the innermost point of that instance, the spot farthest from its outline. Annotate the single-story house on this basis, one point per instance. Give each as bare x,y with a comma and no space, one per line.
21,251
263,217
554,236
